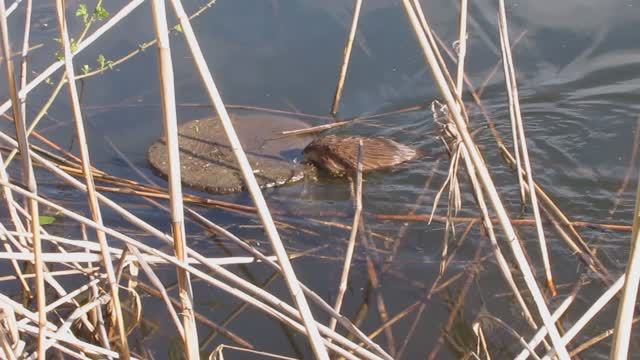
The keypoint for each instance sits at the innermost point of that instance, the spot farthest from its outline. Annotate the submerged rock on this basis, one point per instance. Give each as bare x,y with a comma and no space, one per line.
208,162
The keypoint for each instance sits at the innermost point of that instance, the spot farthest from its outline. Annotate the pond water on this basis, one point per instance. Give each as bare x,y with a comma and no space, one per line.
577,65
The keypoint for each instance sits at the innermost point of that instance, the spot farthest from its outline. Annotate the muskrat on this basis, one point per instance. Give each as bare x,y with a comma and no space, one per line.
339,154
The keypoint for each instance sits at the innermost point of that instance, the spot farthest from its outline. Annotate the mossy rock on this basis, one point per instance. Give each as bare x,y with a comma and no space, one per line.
207,161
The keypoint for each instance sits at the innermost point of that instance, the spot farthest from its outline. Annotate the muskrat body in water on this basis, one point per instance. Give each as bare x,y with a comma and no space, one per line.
339,154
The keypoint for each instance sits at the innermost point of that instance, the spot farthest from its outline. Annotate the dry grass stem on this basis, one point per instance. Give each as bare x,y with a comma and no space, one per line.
252,185
346,56
175,186
517,116
485,180
29,179
626,308
344,277
118,319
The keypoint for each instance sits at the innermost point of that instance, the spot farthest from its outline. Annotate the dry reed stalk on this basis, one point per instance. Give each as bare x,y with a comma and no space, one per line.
462,46
142,47
512,117
270,228
473,271
346,57
451,132
175,186
6,346
312,295
43,110
593,310
272,303
23,82
157,283
114,19
17,222
95,317
503,265
584,252
75,257
319,128
581,322
13,7
29,179
372,259
626,308
217,353
432,291
578,245
41,113
596,339
25,52
632,165
83,346
510,330
342,286
514,100
485,180
236,312
203,319
405,226
542,332
92,200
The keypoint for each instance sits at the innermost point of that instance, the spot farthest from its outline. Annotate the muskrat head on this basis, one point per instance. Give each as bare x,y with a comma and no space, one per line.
321,154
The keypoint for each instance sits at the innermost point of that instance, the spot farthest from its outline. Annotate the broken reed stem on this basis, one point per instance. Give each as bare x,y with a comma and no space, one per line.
118,319
510,330
514,100
232,278
372,260
576,243
485,180
632,165
596,339
28,177
458,304
620,346
25,53
428,294
114,19
542,332
462,47
175,186
346,56
289,275
503,265
512,116
570,334
342,287
314,297
270,304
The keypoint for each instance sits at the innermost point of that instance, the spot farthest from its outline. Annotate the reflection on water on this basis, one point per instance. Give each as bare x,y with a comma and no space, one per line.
577,68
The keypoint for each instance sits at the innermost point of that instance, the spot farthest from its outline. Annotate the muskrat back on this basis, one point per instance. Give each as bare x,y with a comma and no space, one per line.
339,154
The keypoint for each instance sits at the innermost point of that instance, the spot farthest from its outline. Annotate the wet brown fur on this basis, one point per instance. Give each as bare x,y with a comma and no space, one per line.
338,154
